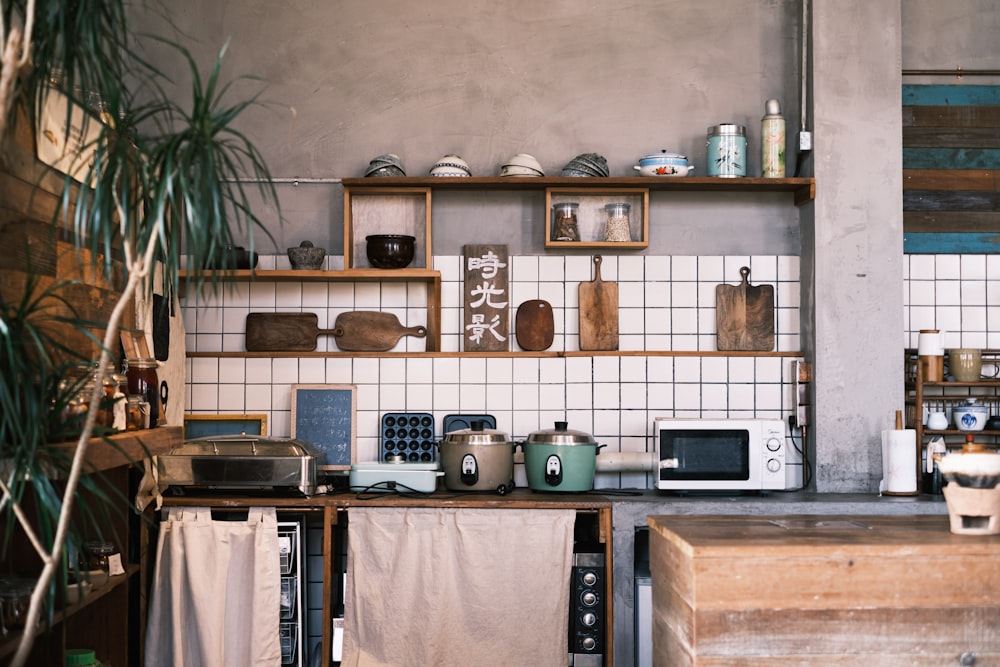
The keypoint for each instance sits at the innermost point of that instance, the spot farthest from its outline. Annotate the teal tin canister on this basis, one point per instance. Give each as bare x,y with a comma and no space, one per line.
727,150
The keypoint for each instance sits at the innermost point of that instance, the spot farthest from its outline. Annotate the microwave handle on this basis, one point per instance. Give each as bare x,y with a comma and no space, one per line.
668,463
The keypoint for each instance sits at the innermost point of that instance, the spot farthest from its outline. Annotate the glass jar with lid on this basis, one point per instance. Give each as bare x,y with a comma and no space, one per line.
617,229
564,223
143,381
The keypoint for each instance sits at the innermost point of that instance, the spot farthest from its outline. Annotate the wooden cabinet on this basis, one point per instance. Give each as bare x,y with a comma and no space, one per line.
924,397
111,618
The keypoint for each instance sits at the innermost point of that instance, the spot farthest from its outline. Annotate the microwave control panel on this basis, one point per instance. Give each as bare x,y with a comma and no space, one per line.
773,453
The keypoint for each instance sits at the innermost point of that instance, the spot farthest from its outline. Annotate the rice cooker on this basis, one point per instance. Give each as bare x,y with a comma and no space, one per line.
478,459
560,459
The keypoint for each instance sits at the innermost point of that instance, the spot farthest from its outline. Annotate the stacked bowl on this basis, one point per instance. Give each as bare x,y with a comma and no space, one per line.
586,164
451,165
522,164
385,165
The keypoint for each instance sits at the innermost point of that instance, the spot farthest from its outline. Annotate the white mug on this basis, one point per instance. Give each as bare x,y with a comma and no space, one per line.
930,343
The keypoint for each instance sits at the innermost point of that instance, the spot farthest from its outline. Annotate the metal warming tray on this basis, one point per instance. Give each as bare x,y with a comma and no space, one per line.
240,462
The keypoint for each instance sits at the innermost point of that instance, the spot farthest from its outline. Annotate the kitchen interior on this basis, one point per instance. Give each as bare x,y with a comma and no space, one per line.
622,558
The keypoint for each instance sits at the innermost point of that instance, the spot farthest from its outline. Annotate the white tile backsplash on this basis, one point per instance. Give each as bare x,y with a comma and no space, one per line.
666,304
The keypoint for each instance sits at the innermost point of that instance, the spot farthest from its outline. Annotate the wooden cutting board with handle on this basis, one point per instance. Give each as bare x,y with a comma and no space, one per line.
598,312
744,316
355,331
534,325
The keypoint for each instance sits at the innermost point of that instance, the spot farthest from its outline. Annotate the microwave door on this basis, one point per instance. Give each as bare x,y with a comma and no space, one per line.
705,455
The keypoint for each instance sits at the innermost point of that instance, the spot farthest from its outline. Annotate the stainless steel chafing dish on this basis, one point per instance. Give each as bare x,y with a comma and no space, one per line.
240,462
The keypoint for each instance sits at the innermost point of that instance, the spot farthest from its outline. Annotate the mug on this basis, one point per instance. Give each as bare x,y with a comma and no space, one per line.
965,364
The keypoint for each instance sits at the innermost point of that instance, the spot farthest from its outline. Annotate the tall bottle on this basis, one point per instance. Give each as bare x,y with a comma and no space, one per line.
772,141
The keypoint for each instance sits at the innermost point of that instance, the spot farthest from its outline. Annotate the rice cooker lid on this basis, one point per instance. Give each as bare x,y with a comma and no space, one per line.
560,435
477,434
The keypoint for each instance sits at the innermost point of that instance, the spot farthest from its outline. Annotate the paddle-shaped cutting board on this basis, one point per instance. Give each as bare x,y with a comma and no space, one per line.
534,325
598,312
355,331
744,316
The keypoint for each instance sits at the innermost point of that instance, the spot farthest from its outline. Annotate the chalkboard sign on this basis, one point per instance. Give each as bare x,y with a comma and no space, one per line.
323,416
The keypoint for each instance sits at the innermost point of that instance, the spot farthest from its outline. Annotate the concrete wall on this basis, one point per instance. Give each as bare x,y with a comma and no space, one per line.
349,80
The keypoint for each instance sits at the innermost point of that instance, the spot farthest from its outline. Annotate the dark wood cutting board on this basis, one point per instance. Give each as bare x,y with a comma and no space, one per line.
356,331
744,316
598,312
534,325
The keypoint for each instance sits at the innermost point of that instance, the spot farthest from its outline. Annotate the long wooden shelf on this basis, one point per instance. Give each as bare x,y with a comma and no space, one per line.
128,448
542,354
803,189
341,275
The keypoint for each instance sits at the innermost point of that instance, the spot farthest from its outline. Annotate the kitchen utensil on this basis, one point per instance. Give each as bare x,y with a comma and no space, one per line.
970,415
306,257
598,312
973,489
456,422
410,434
355,331
744,315
395,477
390,251
478,459
534,325
664,164
560,459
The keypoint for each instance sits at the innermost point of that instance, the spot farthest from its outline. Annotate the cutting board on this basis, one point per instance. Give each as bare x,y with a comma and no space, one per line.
744,316
355,331
598,312
534,325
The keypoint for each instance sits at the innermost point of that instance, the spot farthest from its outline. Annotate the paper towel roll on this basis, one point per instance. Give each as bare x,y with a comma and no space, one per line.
899,462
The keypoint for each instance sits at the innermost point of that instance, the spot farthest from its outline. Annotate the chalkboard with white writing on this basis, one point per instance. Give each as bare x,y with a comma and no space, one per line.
323,416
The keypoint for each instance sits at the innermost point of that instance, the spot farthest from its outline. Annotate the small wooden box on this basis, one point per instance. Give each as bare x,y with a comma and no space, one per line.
388,210
591,217
822,591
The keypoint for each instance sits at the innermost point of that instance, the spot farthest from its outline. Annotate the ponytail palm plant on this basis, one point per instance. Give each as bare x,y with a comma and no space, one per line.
164,169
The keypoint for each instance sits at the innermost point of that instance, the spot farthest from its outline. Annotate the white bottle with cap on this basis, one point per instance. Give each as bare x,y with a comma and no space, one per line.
772,141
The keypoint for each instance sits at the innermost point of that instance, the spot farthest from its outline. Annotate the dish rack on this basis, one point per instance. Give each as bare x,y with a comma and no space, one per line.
291,626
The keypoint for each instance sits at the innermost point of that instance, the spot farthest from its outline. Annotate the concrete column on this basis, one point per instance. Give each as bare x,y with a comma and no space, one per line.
853,246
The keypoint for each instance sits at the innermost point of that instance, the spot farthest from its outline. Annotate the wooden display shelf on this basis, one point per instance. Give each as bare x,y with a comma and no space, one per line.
128,448
386,210
502,354
803,189
591,216
431,277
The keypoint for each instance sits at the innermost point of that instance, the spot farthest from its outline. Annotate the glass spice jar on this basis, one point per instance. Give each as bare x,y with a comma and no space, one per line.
617,229
143,381
137,414
98,554
564,227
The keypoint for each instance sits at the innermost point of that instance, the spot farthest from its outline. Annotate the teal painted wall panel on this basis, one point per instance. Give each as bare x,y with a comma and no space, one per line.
943,243
965,96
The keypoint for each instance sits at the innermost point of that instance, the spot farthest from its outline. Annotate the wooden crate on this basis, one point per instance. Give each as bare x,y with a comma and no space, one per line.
822,591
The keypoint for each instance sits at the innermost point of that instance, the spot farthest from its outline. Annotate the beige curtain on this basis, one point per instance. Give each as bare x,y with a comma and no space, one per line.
457,587
216,591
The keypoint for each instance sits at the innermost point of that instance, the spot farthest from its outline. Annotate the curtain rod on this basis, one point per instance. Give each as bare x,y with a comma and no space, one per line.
958,72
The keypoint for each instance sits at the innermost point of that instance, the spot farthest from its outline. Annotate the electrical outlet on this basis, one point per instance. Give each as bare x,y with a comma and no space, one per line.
802,372
805,141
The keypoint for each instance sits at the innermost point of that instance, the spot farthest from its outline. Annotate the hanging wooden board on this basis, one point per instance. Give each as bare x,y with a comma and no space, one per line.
744,316
598,312
487,316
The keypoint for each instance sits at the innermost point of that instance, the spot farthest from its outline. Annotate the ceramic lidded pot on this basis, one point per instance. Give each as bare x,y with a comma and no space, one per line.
664,164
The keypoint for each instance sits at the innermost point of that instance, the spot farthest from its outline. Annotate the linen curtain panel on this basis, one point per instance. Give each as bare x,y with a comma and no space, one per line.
216,592
454,587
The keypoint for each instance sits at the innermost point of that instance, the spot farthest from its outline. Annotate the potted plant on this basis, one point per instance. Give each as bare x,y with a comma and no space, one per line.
162,171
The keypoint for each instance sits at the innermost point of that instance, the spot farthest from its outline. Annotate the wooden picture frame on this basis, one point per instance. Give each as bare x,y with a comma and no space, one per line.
197,426
324,416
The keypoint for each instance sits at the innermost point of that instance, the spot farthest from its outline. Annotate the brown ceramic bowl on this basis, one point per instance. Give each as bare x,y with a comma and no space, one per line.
390,251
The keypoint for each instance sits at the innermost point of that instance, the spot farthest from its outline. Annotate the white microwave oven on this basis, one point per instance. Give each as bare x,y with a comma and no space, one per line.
721,454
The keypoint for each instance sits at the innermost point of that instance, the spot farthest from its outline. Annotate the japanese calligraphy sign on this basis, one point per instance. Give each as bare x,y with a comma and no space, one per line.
486,326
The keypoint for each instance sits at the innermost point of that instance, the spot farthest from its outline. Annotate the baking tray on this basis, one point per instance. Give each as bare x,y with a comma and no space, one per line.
401,477
458,422
410,434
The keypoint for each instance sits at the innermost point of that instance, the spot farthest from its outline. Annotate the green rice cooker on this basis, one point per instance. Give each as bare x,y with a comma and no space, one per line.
560,459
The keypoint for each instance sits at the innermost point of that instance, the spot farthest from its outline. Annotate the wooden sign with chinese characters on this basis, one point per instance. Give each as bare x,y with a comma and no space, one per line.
487,316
